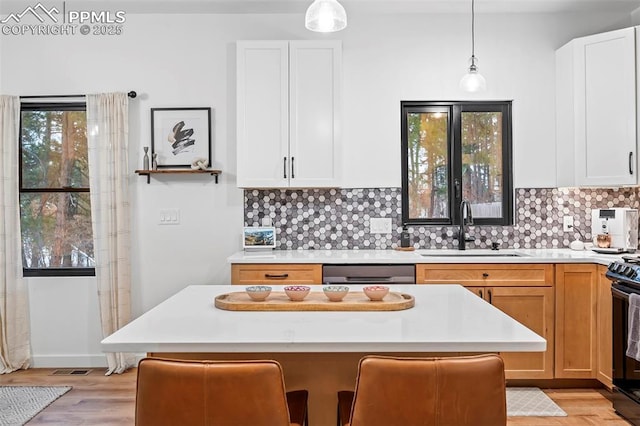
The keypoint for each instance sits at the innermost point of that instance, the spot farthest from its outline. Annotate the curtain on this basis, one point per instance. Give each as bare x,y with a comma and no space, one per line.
15,347
107,137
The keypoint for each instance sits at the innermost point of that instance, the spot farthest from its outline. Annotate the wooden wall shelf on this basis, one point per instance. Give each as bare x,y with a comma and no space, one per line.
148,173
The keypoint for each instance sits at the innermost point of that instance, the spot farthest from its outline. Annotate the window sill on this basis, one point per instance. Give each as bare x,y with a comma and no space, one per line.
59,272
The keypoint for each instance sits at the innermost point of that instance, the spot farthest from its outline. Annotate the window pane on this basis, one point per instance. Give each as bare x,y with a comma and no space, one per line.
428,165
56,230
482,163
54,149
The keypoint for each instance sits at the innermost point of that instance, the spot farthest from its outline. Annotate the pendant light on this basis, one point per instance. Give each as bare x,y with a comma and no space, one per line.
325,16
473,81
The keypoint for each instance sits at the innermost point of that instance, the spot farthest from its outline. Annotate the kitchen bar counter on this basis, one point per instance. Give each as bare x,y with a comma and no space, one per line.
445,318
423,256
319,351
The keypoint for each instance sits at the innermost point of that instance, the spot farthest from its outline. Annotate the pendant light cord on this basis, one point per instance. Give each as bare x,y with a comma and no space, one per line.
473,29
473,81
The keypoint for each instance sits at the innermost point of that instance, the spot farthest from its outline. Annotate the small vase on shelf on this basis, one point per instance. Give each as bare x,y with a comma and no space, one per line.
145,159
155,161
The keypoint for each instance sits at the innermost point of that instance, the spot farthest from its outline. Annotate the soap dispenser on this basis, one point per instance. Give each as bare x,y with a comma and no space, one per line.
405,241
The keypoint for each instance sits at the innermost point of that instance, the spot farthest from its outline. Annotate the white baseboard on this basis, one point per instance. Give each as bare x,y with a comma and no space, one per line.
68,361
73,361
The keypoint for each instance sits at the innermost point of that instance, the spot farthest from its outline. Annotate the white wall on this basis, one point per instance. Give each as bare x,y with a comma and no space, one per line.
189,60
422,57
65,328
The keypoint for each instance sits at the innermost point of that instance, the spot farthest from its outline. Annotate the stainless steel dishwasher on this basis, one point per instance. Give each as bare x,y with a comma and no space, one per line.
368,274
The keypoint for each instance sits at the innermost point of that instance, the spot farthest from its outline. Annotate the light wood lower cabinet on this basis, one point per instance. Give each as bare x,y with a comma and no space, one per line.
576,321
251,274
532,307
604,329
574,316
522,291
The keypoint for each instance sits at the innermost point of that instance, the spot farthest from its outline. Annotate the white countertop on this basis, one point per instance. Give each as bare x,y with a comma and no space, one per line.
445,318
417,256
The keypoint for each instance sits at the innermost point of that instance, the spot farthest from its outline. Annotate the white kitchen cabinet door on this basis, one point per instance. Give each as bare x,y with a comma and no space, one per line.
263,114
596,110
288,114
607,115
314,102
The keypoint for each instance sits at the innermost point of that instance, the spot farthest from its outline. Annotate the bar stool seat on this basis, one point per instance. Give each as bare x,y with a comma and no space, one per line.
220,393
456,391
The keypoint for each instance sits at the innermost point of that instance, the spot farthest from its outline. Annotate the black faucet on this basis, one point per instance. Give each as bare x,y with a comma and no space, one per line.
466,218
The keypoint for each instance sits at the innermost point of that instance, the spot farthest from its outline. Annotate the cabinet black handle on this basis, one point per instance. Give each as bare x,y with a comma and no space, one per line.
276,276
631,162
292,175
480,294
490,293
485,275
284,168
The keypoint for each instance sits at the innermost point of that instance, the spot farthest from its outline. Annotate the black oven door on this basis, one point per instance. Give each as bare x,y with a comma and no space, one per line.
626,370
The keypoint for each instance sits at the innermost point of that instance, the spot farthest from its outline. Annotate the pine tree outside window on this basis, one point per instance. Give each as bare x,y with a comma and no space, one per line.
55,210
454,151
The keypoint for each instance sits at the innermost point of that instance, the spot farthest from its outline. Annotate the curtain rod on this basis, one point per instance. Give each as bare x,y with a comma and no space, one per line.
132,94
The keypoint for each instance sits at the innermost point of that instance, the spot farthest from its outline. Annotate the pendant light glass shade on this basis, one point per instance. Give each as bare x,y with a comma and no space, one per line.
473,81
325,16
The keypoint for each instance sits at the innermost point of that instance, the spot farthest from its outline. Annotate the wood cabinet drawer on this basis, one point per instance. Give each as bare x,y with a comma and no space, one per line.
511,275
246,274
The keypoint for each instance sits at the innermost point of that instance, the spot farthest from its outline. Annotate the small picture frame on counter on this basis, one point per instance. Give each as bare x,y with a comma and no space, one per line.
259,238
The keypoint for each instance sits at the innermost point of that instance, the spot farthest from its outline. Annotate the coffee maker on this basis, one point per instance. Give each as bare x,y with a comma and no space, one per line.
621,224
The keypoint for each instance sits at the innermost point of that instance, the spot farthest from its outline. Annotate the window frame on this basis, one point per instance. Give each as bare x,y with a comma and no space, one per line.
50,106
454,153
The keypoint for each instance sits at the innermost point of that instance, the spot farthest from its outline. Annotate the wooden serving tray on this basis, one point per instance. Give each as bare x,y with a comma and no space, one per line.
315,301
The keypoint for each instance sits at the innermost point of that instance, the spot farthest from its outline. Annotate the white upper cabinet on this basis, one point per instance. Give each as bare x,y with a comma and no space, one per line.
596,114
263,113
288,116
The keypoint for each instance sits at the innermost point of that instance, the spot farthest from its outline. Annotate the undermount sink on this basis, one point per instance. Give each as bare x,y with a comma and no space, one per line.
471,253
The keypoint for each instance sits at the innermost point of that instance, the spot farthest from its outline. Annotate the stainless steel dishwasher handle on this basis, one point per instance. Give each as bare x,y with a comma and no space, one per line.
368,280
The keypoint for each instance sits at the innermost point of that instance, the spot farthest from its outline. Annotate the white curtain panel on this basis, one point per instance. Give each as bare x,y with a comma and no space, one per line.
107,137
15,347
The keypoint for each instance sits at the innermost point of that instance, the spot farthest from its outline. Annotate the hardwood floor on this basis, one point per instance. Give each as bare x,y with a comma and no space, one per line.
95,399
100,400
584,407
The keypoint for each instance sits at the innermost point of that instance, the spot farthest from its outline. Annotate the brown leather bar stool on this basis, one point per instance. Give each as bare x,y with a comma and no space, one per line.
456,391
221,393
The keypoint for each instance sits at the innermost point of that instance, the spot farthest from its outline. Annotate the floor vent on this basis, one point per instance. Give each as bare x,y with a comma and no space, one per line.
70,372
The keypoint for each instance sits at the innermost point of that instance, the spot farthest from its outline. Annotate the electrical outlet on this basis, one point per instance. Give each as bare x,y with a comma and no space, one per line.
567,223
380,225
169,217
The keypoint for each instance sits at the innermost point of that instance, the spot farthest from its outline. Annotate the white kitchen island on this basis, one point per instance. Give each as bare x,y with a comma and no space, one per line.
319,351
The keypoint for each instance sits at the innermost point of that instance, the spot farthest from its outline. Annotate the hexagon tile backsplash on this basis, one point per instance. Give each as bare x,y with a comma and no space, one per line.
339,218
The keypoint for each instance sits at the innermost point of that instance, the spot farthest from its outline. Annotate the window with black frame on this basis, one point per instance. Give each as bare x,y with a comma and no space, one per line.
454,151
55,208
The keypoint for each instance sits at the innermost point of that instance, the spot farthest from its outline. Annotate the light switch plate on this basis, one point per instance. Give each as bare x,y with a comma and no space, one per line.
169,217
380,225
